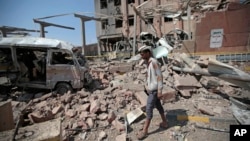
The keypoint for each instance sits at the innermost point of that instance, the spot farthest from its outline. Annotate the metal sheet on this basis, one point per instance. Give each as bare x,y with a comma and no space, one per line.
133,115
160,51
35,42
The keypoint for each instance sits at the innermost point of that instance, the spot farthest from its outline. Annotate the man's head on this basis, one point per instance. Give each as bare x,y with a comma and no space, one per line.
145,51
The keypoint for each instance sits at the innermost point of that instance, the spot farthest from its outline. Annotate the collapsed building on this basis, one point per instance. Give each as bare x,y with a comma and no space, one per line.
99,114
219,28
113,108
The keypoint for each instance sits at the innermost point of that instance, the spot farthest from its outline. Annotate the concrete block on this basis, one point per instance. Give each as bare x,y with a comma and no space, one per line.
142,97
6,116
45,131
133,87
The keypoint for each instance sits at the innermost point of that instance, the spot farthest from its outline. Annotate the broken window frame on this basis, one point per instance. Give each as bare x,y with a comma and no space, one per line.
118,22
150,20
131,1
103,4
104,24
131,20
166,19
117,2
65,60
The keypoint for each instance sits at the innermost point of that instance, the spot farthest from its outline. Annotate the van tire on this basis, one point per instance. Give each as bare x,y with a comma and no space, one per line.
62,88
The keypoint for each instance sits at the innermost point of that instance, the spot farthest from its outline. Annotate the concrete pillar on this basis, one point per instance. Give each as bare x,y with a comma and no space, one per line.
99,49
104,47
110,47
124,6
157,20
189,21
83,35
42,34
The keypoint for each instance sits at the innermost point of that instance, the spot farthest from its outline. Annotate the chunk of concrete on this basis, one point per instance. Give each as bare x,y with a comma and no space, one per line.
45,131
142,97
205,110
121,68
118,125
6,116
121,137
134,87
168,95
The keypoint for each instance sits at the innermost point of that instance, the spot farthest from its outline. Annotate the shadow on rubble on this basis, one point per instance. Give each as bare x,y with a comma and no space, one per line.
173,118
244,98
26,95
94,85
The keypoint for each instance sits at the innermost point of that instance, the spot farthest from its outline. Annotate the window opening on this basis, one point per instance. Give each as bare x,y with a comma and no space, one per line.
117,2
118,23
103,4
131,20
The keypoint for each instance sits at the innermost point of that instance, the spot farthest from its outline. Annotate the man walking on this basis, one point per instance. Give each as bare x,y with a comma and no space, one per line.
153,88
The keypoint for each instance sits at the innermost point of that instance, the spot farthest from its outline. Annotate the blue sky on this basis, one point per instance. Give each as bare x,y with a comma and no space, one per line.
20,13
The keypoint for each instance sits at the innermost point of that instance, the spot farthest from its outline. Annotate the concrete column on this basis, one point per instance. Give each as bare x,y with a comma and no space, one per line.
137,20
99,49
124,6
104,47
189,22
83,35
157,20
110,45
42,34
107,46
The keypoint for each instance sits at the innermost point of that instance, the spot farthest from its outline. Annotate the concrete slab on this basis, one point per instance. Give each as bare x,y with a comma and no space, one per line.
45,131
6,116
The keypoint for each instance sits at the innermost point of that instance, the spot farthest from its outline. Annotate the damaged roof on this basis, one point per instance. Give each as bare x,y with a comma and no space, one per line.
35,42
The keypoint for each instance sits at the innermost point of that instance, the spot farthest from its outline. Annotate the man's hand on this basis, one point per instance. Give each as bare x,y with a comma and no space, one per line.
159,95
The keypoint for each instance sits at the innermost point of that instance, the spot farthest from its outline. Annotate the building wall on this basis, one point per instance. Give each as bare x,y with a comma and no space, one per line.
124,11
235,22
91,50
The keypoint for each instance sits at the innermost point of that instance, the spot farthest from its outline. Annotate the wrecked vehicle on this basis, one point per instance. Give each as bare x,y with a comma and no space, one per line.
122,50
34,62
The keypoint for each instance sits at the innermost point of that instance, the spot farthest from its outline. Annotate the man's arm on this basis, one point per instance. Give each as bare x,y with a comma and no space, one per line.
159,79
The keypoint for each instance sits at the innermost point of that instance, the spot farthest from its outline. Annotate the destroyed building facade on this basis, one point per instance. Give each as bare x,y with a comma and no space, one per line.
200,20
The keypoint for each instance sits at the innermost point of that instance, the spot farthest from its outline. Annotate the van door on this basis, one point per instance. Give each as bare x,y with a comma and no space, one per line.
63,68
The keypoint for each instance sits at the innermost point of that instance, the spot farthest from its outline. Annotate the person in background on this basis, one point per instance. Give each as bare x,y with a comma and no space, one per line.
153,89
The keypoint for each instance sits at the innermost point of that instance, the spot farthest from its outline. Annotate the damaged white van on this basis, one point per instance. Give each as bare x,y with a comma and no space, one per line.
34,62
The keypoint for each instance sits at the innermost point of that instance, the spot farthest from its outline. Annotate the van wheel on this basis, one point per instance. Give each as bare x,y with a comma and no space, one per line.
63,88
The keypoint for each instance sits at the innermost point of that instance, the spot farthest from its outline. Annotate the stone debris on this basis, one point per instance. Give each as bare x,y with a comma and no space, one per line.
102,135
119,89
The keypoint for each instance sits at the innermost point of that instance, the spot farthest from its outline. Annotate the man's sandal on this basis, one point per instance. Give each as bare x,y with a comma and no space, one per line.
141,135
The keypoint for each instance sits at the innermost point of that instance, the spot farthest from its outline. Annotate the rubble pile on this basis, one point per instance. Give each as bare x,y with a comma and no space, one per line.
119,89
